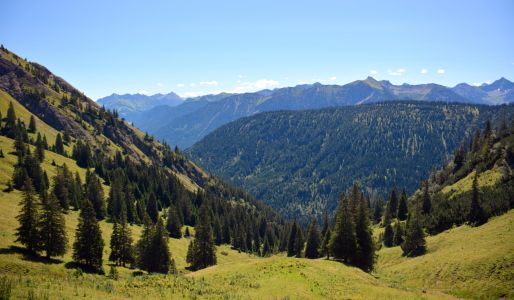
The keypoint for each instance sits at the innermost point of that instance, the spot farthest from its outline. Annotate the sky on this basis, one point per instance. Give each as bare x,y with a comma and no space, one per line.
198,47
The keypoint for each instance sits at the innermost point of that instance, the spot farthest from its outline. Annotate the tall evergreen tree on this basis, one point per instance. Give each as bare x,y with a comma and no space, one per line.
121,243
291,251
377,211
143,246
324,248
427,202
173,223
389,236
414,242
152,207
32,124
313,240
365,257
476,215
89,244
28,232
203,249
161,256
94,192
59,146
392,202
402,206
52,227
343,243
398,234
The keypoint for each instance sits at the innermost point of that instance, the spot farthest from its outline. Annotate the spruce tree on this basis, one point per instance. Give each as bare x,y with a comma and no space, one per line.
121,242
173,223
343,243
94,192
427,203
203,248
52,228
59,146
32,124
143,246
366,257
398,234
291,250
377,211
389,236
402,206
414,242
313,240
476,215
324,248
392,203
88,245
161,256
151,207
28,232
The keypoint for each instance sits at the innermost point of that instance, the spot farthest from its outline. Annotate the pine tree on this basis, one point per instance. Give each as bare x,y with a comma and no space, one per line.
121,243
143,246
427,203
324,248
398,234
366,257
152,208
173,223
32,124
40,149
343,243
28,232
377,211
161,256
414,236
59,146
94,192
291,251
52,228
88,245
392,202
402,206
203,248
389,236
313,240
476,215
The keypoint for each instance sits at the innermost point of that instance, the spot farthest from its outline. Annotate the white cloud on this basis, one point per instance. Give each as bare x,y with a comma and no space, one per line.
209,83
373,72
440,71
241,76
193,84
143,93
479,84
239,81
192,94
400,71
261,83
247,87
333,78
424,71
303,82
180,85
393,73
160,84
286,78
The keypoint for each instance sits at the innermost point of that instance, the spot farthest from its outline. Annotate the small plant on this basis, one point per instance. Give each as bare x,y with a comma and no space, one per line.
78,273
5,288
113,273
32,296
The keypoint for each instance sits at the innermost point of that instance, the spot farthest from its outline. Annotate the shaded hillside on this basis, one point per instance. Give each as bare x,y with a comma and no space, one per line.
299,161
500,91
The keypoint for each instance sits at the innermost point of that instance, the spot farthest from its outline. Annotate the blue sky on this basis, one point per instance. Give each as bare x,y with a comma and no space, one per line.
200,47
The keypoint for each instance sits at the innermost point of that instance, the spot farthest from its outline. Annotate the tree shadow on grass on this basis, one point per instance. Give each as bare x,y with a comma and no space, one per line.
29,255
73,265
416,252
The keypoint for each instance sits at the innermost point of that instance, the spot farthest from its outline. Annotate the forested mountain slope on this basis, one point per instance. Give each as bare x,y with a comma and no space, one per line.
299,161
71,151
184,126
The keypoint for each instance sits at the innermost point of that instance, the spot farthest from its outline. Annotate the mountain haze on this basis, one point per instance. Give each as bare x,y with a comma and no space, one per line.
185,126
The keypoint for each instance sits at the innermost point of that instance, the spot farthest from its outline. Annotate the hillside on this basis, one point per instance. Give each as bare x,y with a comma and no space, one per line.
129,105
299,161
183,126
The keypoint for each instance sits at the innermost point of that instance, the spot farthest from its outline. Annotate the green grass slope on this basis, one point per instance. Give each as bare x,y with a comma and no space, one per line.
467,262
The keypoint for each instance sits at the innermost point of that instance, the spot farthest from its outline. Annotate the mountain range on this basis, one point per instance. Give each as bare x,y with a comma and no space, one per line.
187,123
